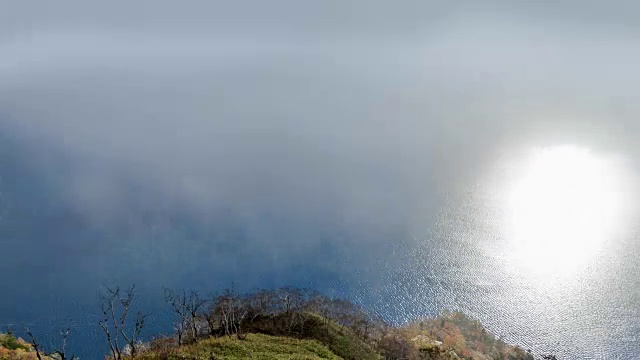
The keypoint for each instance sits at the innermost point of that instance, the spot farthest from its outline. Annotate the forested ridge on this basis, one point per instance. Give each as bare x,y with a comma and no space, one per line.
284,323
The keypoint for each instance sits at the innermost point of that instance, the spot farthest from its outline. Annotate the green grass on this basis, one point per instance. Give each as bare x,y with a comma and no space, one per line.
311,336
10,342
255,346
340,340
317,339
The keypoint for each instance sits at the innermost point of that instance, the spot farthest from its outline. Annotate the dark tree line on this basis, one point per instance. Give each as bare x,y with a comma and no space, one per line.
281,311
285,311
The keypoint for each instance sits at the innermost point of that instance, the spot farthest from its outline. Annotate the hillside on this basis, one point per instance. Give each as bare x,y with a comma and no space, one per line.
341,340
254,346
313,338
453,336
449,337
12,348
285,323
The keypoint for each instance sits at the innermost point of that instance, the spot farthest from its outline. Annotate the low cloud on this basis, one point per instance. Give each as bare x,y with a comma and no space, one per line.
186,150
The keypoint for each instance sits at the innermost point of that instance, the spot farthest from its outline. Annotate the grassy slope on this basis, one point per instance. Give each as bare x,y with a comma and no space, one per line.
319,339
339,339
255,346
16,349
452,336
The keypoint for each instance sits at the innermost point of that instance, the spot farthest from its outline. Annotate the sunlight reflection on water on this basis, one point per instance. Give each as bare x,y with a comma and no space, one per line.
564,205
588,309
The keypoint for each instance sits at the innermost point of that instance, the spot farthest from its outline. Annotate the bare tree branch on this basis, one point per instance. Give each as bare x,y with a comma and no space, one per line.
116,306
35,344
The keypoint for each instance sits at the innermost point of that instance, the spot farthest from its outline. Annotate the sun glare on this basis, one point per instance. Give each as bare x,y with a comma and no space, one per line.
562,209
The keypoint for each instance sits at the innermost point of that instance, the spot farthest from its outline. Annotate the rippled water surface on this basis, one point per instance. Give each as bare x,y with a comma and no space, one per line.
412,156
466,262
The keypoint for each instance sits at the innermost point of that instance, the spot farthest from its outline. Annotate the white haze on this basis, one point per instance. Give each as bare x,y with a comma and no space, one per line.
350,117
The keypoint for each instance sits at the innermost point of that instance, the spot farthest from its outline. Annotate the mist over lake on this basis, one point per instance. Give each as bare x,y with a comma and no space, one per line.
412,157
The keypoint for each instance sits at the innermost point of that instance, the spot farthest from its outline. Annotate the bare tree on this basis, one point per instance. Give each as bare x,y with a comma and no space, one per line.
116,305
36,346
397,348
210,316
293,301
195,304
181,306
187,305
61,352
224,309
261,303
321,305
232,311
288,297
